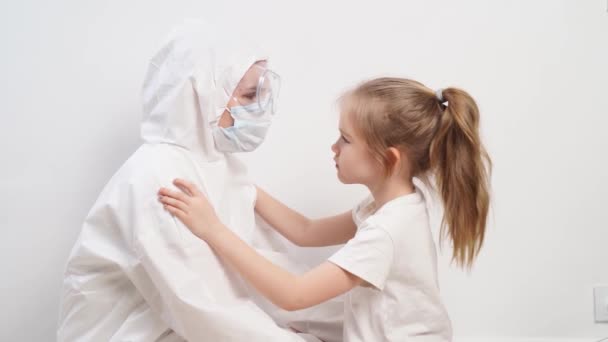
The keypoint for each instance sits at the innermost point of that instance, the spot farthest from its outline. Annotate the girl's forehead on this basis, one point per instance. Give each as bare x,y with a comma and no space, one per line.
348,106
345,121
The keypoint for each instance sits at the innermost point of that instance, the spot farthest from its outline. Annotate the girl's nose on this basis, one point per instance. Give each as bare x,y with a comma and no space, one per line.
334,147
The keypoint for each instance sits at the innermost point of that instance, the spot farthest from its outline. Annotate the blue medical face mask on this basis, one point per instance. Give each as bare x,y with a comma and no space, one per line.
249,110
250,127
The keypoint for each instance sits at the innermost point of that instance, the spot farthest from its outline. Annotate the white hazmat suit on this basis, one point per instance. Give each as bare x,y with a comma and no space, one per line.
136,273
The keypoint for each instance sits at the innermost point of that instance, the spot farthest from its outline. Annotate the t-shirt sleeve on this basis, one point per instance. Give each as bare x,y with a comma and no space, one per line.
368,255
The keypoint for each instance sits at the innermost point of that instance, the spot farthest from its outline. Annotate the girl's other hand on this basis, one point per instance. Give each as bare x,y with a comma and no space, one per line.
191,207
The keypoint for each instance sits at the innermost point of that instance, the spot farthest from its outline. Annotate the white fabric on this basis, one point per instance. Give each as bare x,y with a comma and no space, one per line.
136,273
393,251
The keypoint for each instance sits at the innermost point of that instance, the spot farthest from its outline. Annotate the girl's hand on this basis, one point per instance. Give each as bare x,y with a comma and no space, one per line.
191,207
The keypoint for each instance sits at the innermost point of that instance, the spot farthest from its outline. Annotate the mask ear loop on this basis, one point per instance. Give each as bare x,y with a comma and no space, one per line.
227,107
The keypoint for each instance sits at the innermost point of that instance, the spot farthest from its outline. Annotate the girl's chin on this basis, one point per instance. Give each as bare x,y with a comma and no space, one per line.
342,180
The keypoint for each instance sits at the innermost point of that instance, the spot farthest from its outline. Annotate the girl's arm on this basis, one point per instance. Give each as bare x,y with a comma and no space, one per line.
301,230
288,291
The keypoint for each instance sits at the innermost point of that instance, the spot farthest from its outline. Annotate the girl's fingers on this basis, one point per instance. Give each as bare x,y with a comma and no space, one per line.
175,211
183,188
187,187
175,194
174,203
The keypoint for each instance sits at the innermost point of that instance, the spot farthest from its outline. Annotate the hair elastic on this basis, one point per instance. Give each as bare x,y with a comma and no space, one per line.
439,95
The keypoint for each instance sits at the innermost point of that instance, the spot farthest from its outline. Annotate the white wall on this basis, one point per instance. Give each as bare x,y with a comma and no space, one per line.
70,74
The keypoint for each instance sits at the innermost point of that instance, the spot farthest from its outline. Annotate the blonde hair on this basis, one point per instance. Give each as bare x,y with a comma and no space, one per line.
439,140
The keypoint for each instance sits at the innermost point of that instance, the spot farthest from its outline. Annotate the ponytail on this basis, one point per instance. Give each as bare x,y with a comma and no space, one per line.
461,167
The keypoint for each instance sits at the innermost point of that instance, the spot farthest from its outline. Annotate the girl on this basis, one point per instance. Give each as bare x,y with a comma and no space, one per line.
391,130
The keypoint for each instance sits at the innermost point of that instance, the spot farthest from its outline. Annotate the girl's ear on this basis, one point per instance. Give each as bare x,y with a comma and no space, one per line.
394,159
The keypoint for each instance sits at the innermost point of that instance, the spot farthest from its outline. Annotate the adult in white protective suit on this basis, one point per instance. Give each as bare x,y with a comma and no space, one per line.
136,273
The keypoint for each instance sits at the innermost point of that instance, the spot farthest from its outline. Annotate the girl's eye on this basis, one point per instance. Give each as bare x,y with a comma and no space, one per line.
344,139
249,96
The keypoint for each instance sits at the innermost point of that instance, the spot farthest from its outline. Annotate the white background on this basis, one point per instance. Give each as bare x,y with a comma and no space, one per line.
70,77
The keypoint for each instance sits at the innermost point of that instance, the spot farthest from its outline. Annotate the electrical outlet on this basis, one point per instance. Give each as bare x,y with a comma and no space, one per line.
600,298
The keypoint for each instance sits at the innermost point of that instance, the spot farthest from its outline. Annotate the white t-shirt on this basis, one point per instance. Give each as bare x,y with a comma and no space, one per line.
393,251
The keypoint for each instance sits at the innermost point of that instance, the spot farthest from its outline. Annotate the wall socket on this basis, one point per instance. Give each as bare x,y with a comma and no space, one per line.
600,298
